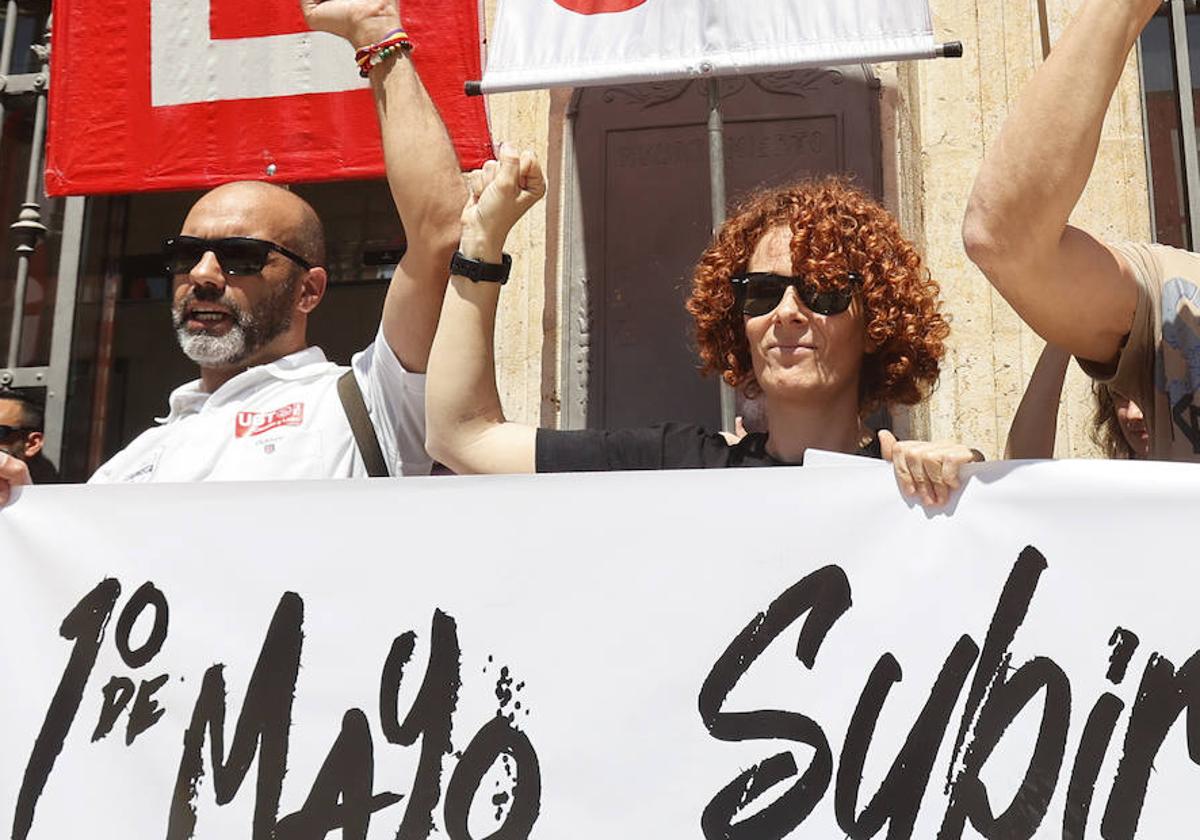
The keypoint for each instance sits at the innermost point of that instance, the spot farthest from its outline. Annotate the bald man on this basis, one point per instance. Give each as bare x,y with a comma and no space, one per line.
248,267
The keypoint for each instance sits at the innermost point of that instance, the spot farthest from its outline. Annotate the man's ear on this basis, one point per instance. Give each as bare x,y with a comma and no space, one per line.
312,289
33,444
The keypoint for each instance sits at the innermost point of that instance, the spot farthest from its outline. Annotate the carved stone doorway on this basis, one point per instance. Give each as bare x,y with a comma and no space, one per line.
639,217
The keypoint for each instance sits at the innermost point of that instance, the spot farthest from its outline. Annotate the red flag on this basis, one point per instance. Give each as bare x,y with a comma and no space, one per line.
176,94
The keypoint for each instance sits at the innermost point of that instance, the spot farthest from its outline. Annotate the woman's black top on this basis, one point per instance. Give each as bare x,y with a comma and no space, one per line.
668,446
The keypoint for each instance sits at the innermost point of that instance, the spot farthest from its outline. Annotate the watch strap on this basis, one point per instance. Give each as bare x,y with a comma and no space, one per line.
477,270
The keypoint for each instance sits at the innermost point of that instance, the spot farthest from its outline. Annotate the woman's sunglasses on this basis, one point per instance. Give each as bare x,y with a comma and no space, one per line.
760,292
238,255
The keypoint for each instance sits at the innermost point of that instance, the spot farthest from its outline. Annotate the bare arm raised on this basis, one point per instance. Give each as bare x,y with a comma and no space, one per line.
422,171
1034,426
1071,288
467,430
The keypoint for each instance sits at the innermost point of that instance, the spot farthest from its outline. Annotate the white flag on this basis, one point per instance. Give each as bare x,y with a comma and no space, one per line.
548,43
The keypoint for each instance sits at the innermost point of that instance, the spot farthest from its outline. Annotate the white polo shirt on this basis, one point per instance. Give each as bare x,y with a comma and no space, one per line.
282,420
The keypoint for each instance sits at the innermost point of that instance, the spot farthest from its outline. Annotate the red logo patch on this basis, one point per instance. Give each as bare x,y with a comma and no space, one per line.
250,423
599,7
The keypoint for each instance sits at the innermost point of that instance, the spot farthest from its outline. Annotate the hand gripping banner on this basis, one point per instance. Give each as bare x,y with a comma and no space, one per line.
177,94
547,43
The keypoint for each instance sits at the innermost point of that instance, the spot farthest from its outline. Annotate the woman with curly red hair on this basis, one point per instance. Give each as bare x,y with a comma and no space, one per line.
848,250
809,298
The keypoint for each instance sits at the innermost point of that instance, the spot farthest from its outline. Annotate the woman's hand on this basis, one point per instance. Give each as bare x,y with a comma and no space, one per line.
927,471
499,194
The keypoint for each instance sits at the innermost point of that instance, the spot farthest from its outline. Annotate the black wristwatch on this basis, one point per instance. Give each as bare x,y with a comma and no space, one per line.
476,270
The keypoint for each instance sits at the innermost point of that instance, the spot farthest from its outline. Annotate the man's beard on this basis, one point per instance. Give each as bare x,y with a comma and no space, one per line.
250,332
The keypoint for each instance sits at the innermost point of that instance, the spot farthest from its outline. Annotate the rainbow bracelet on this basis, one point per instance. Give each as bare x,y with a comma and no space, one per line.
370,57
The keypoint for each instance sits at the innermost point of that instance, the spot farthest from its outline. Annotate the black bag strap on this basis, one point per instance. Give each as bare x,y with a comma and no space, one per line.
360,424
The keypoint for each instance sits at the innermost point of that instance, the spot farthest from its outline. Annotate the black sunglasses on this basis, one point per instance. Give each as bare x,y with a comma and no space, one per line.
759,292
238,255
8,431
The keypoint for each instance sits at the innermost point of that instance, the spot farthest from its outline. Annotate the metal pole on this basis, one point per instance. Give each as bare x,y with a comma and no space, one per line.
10,36
716,154
28,230
1044,27
1149,162
6,47
64,326
716,173
1187,119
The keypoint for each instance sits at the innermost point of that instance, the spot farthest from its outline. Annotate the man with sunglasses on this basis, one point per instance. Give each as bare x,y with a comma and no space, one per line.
1129,312
22,419
809,297
248,269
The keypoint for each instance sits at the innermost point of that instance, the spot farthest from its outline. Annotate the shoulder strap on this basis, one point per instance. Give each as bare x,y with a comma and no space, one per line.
360,424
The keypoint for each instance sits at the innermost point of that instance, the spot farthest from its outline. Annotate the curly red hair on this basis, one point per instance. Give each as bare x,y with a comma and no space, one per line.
836,228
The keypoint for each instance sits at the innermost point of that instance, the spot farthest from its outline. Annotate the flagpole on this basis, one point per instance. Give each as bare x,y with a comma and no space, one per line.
716,174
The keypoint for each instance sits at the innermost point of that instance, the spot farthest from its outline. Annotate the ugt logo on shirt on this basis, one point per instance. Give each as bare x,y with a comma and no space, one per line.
599,7
250,423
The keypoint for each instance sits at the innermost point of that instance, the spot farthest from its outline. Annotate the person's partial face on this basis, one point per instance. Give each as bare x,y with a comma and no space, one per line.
21,444
1133,425
231,321
796,353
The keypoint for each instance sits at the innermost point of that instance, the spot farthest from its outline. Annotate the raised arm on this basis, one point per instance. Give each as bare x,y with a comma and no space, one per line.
467,430
422,171
1070,287
1034,425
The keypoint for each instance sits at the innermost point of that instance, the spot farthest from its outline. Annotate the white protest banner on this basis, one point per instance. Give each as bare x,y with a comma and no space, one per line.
738,653
547,43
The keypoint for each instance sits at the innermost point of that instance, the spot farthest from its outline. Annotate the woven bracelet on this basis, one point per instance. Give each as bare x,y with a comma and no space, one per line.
370,57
